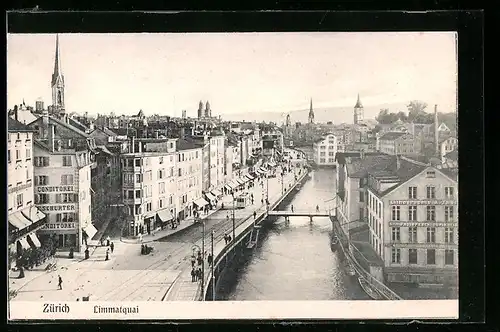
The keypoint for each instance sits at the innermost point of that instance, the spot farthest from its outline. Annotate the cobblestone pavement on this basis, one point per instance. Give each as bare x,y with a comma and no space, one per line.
128,275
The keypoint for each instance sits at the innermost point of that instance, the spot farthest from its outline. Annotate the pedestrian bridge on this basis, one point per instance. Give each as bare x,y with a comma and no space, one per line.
299,213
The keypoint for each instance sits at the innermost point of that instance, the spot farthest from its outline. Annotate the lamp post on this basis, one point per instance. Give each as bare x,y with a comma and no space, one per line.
203,260
212,263
282,183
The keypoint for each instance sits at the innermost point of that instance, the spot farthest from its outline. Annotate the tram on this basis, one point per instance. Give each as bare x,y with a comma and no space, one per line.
242,201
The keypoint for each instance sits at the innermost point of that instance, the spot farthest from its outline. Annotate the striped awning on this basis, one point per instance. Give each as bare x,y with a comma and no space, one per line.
240,181
165,215
24,243
33,240
272,164
263,170
200,202
216,193
228,186
18,220
210,196
249,177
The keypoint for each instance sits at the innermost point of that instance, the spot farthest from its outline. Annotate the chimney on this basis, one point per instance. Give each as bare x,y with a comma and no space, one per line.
51,137
182,133
436,125
398,162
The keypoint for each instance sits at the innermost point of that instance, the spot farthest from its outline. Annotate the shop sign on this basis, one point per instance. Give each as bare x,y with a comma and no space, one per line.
423,202
60,225
56,207
19,188
54,189
422,224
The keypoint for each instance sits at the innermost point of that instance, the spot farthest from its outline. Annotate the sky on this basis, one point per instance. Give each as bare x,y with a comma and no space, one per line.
237,72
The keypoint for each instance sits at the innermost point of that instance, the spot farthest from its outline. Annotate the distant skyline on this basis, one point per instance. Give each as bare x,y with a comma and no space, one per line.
237,72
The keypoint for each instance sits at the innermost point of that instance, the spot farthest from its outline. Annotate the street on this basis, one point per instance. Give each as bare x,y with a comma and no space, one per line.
128,275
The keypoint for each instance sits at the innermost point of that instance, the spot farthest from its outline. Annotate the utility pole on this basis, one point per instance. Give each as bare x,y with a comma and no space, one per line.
203,261
267,192
213,262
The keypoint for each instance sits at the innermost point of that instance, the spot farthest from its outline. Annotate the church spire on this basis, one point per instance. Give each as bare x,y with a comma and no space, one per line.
358,103
311,112
57,82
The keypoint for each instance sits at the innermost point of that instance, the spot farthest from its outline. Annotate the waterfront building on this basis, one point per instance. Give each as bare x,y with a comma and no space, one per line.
398,143
325,150
63,157
413,220
24,218
162,180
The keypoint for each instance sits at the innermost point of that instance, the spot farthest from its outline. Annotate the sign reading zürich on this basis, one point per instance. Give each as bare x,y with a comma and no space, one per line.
423,202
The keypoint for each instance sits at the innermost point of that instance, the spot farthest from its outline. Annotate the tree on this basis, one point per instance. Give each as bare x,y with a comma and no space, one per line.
416,110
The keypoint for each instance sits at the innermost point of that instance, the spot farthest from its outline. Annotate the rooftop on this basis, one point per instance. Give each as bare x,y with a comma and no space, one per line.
15,126
390,136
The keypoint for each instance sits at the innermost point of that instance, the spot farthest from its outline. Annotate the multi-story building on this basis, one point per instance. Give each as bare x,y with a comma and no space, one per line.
24,219
413,218
447,145
162,179
398,143
325,150
63,157
217,160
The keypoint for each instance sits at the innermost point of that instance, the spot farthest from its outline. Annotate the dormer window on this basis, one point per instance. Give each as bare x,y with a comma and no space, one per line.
431,174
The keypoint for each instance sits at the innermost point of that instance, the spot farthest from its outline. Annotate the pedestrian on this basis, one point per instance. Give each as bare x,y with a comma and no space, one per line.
292,208
108,241
200,273
317,208
193,261
229,238
254,215
107,254
200,260
209,259
59,283
262,201
193,275
112,246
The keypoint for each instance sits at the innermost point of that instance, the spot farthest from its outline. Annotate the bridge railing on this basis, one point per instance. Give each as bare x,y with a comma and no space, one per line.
303,211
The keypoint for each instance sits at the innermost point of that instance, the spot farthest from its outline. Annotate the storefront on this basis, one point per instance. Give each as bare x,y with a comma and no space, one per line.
62,226
200,204
217,193
211,199
164,217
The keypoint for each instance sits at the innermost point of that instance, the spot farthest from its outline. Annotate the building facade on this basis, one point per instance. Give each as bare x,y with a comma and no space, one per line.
325,150
398,143
24,219
63,157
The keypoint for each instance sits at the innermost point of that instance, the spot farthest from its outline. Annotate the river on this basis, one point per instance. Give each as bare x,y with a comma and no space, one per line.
295,260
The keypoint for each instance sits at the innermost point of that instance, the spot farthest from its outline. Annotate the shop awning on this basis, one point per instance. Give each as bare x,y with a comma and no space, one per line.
200,202
210,196
262,169
216,193
34,240
240,181
228,187
165,215
234,184
32,213
90,230
272,164
24,243
249,177
18,220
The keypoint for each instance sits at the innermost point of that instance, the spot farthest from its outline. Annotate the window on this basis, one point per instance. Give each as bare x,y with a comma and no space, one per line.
448,235
161,173
412,192
65,217
66,198
449,192
162,188
412,256
19,200
28,154
138,178
161,160
431,192
322,160
412,235
41,180
66,179
148,207
395,234
396,213
448,213
138,193
412,213
431,256
180,171
8,156
130,194
137,162
18,155
322,154
431,213
449,257
396,255
41,199
67,161
160,203
138,209
431,174
361,196
431,235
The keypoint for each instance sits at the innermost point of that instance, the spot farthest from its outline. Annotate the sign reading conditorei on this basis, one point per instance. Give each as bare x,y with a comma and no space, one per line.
54,189
423,202
60,225
56,207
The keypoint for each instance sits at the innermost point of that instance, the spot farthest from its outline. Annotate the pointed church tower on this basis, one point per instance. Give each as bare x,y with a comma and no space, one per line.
208,111
358,111
57,83
200,110
311,113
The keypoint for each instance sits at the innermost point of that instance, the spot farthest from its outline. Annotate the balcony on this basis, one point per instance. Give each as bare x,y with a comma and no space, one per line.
134,201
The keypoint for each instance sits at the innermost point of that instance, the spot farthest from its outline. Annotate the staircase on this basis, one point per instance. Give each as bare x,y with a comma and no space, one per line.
254,237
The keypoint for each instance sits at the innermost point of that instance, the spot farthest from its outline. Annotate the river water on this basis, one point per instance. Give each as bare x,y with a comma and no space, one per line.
295,260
